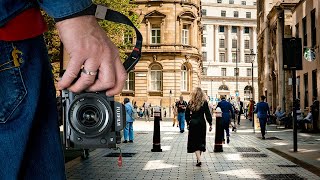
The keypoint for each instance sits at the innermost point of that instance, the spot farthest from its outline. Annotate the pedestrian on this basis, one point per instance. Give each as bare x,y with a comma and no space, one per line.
135,110
234,116
315,113
227,113
240,110
30,138
181,106
263,113
128,130
146,106
250,109
196,111
175,113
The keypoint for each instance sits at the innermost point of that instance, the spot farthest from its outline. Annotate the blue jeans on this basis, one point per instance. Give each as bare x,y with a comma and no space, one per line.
128,131
263,123
29,134
181,119
225,124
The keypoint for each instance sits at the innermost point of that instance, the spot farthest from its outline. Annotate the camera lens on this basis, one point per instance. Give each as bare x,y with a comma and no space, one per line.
89,116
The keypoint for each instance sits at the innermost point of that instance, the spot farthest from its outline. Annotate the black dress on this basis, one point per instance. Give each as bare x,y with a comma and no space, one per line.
197,127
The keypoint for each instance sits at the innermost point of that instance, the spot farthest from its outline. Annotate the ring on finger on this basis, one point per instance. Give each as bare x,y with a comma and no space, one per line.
92,73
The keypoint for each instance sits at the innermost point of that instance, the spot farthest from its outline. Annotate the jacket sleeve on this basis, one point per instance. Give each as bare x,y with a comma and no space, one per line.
207,112
63,8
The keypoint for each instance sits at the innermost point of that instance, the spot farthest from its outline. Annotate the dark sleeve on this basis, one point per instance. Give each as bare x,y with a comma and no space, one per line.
268,110
207,112
256,109
187,115
231,110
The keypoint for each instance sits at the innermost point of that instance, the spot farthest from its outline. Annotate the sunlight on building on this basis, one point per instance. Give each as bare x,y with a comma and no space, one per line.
242,173
158,164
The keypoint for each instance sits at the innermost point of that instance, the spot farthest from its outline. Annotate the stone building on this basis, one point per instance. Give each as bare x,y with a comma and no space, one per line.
171,60
306,23
229,35
274,23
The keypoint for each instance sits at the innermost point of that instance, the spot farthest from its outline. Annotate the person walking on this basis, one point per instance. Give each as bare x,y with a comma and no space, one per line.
146,106
196,110
263,113
128,130
181,106
240,110
235,114
250,109
315,113
175,114
227,110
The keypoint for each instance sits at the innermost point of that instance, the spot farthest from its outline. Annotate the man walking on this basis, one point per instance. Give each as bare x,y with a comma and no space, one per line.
181,107
146,107
240,110
263,112
226,109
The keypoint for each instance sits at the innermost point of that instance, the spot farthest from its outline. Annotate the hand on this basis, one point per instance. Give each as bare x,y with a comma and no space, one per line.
210,128
88,46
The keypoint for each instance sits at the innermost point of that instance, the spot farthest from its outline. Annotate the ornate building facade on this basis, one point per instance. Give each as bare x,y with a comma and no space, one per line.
170,65
229,36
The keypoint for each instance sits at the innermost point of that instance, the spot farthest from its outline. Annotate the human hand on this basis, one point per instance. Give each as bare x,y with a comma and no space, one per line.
88,46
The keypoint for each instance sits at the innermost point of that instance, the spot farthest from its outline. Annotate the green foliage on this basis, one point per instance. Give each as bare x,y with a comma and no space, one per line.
115,31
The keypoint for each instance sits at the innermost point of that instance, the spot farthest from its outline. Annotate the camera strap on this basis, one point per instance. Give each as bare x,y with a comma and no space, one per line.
104,13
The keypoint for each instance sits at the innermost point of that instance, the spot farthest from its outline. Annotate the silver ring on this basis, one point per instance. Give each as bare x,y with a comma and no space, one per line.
92,73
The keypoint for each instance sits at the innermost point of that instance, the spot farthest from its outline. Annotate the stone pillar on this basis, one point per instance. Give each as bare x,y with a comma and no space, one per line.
216,43
229,45
241,44
254,39
281,82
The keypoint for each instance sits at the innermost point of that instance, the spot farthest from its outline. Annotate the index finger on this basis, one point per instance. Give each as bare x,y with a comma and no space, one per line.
71,73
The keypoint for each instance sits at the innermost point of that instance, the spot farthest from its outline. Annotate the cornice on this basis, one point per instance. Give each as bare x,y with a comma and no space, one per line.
227,78
229,5
230,20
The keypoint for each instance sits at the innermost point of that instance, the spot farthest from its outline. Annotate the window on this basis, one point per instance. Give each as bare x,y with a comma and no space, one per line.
314,84
306,92
155,34
235,13
236,71
234,29
185,35
248,14
248,93
247,59
246,44
204,28
243,2
156,78
129,85
204,71
204,41
219,1
204,56
127,39
249,72
222,57
203,12
246,30
231,1
297,30
223,13
304,29
234,43
234,57
298,88
313,29
221,28
223,71
221,43
184,78
254,3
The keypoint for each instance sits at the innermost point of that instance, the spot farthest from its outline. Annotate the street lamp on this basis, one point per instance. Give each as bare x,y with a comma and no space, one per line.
170,94
252,57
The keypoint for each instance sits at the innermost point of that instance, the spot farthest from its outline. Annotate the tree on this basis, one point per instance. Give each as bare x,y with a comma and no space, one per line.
115,31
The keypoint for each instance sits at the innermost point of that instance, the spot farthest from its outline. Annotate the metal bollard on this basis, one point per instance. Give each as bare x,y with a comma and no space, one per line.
219,132
156,130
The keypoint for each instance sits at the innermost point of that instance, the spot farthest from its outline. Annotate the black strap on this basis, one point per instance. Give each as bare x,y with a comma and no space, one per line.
116,17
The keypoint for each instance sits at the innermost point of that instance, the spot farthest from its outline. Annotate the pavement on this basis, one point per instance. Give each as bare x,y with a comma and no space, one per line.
246,157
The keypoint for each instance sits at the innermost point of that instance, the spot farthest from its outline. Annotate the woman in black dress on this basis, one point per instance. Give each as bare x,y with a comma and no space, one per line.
197,113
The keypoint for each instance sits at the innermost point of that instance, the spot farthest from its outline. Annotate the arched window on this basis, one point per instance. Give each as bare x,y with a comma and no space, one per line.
156,77
248,93
223,88
185,78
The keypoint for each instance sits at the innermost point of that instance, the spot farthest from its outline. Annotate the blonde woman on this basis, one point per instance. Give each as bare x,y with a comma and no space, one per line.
196,112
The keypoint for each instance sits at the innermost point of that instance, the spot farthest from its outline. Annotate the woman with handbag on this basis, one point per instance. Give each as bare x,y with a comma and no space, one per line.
196,112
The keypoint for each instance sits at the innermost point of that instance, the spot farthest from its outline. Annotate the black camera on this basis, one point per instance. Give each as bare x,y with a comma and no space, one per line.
92,120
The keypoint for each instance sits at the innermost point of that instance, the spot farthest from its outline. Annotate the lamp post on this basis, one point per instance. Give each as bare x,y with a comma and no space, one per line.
252,56
170,94
237,71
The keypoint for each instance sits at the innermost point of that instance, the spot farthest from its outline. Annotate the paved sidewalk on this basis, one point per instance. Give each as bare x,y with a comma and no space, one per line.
175,163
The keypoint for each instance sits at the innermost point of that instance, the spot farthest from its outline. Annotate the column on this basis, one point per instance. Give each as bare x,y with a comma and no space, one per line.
229,45
216,43
254,39
241,44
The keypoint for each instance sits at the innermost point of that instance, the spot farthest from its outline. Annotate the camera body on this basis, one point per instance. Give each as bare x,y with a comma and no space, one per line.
92,120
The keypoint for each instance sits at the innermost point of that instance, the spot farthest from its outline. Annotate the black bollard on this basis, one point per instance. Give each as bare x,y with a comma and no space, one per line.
156,130
219,132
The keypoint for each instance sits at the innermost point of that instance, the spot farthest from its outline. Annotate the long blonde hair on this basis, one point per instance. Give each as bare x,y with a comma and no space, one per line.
197,99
